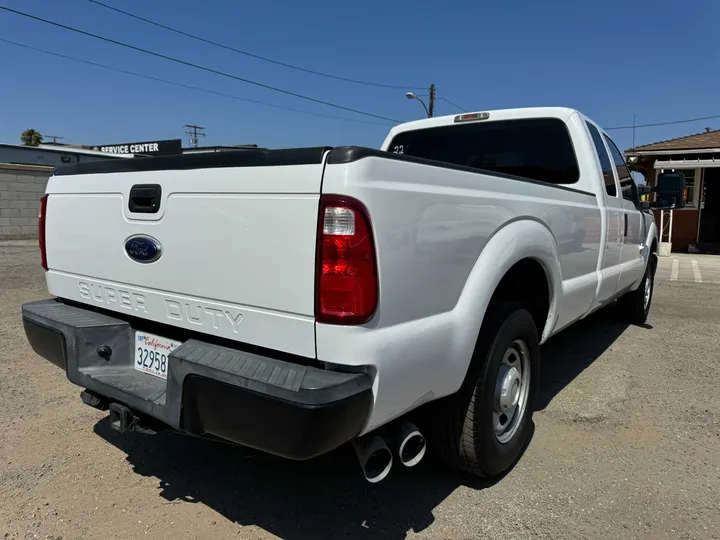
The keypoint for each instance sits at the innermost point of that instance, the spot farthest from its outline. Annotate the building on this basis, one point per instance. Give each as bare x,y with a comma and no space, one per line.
24,172
50,155
697,226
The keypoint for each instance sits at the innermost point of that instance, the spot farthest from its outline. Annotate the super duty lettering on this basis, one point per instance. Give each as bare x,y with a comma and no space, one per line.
199,315
111,297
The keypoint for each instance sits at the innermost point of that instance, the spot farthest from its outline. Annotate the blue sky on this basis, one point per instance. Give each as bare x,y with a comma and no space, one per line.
657,59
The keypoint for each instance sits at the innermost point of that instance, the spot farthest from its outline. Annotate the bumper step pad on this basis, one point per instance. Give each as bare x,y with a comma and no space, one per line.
279,406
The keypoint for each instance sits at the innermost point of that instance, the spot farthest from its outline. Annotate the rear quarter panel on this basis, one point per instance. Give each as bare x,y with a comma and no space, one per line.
431,224
433,227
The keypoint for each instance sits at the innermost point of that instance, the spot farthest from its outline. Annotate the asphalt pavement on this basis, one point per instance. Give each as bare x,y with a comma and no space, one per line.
689,268
626,445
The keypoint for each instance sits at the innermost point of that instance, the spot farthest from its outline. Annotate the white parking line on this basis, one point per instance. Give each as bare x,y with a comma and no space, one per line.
696,271
675,268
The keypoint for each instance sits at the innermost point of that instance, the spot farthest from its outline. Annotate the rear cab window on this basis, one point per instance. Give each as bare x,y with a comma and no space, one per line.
534,148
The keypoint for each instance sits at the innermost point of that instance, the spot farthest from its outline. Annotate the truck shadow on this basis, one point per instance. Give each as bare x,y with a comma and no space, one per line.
328,497
569,353
323,498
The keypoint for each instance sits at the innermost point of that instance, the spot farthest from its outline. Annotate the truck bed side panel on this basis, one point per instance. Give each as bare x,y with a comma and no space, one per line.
434,222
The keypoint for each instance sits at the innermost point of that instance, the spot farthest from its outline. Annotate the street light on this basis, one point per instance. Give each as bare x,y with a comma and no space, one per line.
411,95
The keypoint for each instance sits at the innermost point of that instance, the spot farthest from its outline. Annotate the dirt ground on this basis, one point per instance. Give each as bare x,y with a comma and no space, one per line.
626,445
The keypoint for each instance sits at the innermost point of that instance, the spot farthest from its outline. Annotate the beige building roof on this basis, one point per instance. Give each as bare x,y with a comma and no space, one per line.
699,141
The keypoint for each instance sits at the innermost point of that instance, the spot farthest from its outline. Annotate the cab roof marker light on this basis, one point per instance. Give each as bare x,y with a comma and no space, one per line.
472,117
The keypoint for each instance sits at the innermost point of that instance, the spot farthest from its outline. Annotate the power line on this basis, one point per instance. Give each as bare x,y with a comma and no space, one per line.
188,86
665,123
453,104
197,66
282,107
246,53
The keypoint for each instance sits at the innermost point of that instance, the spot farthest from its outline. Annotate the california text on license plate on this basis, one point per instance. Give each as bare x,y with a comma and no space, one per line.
152,353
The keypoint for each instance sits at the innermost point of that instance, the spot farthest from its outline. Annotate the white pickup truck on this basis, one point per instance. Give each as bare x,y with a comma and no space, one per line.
296,300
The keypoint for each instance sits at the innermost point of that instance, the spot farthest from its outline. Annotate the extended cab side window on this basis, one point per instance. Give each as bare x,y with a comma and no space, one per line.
627,184
607,167
533,148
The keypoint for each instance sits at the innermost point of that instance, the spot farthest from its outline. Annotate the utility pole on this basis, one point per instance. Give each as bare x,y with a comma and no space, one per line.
54,138
194,132
431,108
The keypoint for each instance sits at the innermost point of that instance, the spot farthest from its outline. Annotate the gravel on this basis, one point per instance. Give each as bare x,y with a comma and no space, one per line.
626,445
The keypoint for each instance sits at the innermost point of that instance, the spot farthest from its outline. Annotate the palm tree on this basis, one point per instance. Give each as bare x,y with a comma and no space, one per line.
30,137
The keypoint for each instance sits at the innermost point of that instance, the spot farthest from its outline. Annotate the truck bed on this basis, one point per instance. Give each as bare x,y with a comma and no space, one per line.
237,232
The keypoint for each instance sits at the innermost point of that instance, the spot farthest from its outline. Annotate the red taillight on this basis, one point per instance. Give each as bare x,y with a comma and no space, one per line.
347,284
41,230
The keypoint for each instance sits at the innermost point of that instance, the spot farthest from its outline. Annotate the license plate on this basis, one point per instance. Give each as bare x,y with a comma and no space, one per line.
152,353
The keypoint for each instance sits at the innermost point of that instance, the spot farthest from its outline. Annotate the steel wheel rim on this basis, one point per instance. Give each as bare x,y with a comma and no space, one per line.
512,388
648,290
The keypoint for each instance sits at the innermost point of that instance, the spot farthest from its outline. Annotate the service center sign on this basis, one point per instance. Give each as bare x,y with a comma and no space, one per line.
151,148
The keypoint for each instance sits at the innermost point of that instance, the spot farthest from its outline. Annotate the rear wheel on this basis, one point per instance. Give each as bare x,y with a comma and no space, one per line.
483,428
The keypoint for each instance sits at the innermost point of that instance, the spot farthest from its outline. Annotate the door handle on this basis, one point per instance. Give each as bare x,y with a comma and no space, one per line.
626,224
145,198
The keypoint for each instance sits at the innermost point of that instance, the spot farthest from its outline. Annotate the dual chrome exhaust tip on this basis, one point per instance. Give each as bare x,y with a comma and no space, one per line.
376,457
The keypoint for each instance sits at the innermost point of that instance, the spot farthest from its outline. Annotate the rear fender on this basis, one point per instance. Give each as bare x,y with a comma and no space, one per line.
517,240
428,358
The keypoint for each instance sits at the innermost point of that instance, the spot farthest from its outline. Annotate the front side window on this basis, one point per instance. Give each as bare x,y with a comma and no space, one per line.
627,184
533,148
607,167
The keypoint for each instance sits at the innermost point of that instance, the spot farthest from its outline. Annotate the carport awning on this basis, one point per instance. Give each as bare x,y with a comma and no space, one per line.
687,163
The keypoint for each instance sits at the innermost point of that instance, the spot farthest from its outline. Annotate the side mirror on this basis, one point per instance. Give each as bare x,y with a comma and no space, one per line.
645,205
671,190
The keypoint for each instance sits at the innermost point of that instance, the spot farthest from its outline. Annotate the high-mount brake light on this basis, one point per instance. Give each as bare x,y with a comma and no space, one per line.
472,117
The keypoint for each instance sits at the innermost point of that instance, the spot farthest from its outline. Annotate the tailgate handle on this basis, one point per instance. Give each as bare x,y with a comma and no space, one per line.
145,198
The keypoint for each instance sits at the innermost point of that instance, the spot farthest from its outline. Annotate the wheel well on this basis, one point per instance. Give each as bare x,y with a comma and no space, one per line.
526,283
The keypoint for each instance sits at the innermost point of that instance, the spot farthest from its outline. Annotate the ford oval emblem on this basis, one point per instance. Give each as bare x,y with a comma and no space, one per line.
143,249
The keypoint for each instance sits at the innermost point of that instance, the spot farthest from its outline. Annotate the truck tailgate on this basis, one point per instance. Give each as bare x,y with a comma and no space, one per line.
236,234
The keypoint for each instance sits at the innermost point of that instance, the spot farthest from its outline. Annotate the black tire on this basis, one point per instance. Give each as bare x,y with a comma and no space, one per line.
462,424
632,305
